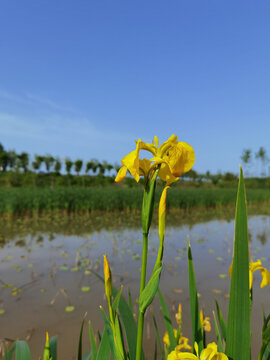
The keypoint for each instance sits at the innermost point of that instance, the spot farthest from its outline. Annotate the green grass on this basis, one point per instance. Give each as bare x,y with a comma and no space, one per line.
80,199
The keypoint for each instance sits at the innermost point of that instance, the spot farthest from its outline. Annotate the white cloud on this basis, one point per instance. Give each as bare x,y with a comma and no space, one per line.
59,135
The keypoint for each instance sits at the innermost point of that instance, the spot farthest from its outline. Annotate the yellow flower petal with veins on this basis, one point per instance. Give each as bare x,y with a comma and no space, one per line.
180,158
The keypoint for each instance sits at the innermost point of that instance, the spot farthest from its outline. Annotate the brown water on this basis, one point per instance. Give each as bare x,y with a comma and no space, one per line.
44,264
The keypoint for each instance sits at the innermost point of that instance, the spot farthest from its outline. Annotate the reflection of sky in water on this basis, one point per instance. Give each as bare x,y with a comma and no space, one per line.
43,264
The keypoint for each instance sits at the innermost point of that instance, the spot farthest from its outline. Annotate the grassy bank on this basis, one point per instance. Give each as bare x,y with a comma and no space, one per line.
80,199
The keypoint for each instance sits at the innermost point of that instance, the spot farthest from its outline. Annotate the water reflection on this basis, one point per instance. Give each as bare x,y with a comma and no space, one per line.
46,267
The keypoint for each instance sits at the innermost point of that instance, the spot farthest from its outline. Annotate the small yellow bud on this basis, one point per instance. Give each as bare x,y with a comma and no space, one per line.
178,316
162,212
107,277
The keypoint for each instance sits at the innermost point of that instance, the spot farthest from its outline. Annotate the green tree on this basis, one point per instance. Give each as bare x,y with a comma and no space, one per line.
48,160
57,165
78,165
69,165
1,148
246,158
12,158
3,161
88,166
23,161
91,165
117,167
37,162
261,154
107,166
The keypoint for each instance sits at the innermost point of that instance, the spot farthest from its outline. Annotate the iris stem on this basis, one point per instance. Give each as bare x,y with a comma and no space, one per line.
141,315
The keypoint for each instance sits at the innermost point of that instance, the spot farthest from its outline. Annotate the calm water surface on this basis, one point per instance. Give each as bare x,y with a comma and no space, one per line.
44,268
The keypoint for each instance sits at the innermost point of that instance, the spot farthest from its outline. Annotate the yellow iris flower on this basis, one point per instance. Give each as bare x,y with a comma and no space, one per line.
182,342
209,353
253,266
205,322
174,157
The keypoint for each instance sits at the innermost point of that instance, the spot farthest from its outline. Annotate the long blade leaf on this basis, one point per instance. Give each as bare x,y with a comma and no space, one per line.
22,350
168,322
219,341
238,328
80,339
104,350
221,321
53,347
197,334
92,341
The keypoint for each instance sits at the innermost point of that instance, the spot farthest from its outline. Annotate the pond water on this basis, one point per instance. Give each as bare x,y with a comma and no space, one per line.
46,266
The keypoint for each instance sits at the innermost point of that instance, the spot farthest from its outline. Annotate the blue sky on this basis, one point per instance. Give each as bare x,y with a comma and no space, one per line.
86,78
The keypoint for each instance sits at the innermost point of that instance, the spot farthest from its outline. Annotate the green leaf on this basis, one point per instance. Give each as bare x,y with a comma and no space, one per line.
80,339
117,299
92,341
128,321
85,288
158,336
53,347
264,351
219,341
221,321
9,354
104,350
108,329
22,350
197,334
119,339
148,203
150,289
238,325
168,322
69,308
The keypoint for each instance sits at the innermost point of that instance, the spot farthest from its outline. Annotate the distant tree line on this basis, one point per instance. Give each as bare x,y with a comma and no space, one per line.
10,160
47,165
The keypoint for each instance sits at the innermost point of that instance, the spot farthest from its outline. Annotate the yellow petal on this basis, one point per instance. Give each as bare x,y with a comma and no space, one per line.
181,158
183,344
131,161
121,174
265,277
172,141
211,353
148,147
250,279
175,355
144,166
255,265
166,175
